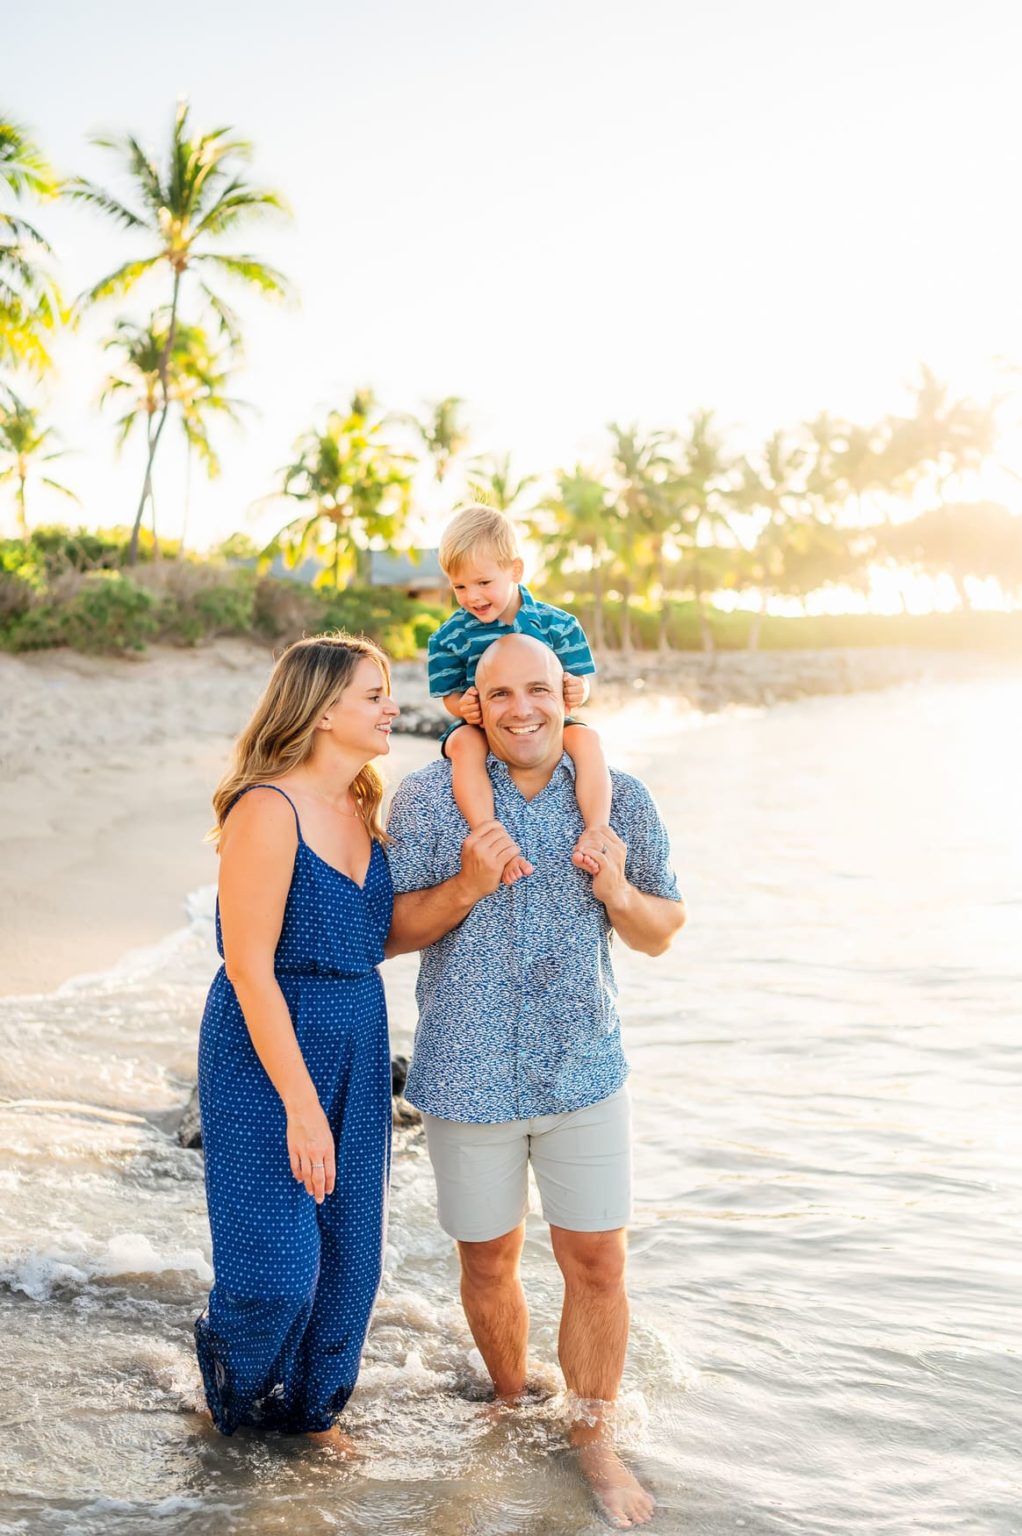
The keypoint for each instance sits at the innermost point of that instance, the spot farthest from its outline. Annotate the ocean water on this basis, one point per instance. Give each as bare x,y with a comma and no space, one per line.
825,1257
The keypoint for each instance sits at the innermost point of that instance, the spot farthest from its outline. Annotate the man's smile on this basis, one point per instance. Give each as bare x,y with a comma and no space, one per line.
524,730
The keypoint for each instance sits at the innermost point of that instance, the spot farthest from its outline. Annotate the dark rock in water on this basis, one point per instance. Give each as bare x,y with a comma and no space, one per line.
189,1131
416,722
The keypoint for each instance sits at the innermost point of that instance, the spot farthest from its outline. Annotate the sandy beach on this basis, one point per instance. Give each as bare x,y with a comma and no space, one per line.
107,766
106,772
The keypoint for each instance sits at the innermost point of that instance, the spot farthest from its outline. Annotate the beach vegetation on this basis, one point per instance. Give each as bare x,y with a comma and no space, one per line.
27,449
30,302
441,429
180,212
197,373
354,489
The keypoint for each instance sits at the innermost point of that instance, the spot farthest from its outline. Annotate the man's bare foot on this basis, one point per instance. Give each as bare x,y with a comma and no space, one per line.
515,868
620,1496
334,1439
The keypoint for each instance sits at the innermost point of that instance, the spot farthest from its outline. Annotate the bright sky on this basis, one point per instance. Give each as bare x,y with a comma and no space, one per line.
567,213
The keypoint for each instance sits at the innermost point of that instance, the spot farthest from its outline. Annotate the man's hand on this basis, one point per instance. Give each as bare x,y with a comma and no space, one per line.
602,854
470,710
576,691
484,853
646,923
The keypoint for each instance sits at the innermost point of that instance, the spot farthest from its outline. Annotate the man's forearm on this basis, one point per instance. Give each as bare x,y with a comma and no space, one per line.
422,917
646,923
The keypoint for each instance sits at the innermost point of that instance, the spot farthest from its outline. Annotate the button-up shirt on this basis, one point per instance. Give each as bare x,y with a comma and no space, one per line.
455,648
517,1013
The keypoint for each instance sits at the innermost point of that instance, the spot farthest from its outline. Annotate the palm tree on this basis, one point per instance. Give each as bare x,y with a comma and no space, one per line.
942,438
775,489
491,480
354,489
443,432
197,375
29,300
580,517
642,467
183,210
22,441
699,499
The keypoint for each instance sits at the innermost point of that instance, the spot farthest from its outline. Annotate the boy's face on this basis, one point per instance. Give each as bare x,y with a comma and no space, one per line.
485,588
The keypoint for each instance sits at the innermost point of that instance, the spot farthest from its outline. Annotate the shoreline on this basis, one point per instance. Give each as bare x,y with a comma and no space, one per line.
107,766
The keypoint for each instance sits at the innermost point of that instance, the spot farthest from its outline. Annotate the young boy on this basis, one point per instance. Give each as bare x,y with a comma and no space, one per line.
479,555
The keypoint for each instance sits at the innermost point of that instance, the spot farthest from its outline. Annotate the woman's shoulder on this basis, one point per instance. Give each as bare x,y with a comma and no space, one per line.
265,805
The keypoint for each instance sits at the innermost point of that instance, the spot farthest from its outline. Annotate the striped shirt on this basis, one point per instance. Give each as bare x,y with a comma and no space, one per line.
517,1004
455,648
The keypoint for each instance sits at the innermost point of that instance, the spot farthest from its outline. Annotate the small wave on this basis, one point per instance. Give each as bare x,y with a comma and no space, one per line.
70,1266
137,964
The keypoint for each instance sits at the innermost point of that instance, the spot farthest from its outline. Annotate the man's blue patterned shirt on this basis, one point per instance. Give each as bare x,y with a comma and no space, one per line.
517,1013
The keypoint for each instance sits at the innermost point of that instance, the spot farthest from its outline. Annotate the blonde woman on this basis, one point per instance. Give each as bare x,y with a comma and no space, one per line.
294,1063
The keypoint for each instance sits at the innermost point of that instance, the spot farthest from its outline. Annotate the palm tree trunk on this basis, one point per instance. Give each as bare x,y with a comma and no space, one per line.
154,439
152,520
663,640
22,515
599,634
757,621
704,624
626,620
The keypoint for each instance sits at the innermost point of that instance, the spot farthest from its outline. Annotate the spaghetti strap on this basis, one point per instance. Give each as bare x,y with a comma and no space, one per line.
279,791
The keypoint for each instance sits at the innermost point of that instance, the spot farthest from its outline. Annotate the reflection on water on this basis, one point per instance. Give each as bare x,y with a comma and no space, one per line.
824,1270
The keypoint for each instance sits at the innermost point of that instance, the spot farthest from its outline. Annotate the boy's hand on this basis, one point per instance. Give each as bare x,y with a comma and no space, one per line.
484,853
470,710
575,691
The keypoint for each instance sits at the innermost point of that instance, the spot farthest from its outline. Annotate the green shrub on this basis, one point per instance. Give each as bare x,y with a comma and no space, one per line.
223,609
106,612
16,597
424,625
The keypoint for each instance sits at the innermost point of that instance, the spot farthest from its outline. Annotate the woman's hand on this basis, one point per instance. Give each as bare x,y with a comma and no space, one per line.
310,1147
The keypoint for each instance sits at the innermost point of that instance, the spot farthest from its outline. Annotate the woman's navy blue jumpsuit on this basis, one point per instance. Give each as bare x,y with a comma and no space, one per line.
294,1282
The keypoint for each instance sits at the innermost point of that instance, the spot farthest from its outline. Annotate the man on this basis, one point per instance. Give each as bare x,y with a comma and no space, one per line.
518,1052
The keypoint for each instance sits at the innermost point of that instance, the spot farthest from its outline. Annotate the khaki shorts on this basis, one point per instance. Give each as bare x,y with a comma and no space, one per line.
581,1160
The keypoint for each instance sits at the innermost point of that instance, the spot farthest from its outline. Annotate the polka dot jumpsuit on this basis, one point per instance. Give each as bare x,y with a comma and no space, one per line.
294,1283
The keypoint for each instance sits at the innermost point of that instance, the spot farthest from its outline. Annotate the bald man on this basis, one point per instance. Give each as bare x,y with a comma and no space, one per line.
518,1055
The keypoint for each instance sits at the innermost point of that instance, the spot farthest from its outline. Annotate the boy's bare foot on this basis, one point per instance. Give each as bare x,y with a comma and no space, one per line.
334,1439
620,1496
515,868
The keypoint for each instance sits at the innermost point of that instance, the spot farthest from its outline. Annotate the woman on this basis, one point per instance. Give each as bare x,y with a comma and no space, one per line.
294,1063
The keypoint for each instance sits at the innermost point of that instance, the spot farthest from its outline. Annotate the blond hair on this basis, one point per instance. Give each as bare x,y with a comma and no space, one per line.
307,678
475,530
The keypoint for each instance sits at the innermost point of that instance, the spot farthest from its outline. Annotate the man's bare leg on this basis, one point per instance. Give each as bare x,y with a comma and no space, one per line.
591,1348
494,1302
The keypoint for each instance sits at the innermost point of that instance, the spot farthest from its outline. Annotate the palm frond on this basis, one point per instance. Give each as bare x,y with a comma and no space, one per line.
23,167
64,490
249,269
228,322
115,284
82,191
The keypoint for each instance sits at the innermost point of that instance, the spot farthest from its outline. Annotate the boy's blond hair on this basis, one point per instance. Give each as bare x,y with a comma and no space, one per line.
473,530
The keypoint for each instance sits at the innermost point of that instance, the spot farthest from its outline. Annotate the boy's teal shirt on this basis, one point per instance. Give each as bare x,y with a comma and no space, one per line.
455,648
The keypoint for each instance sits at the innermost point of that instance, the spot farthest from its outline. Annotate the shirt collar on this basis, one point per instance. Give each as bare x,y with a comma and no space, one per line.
500,769
528,601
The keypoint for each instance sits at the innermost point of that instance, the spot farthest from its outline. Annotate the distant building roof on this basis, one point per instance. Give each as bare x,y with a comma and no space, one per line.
405,568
